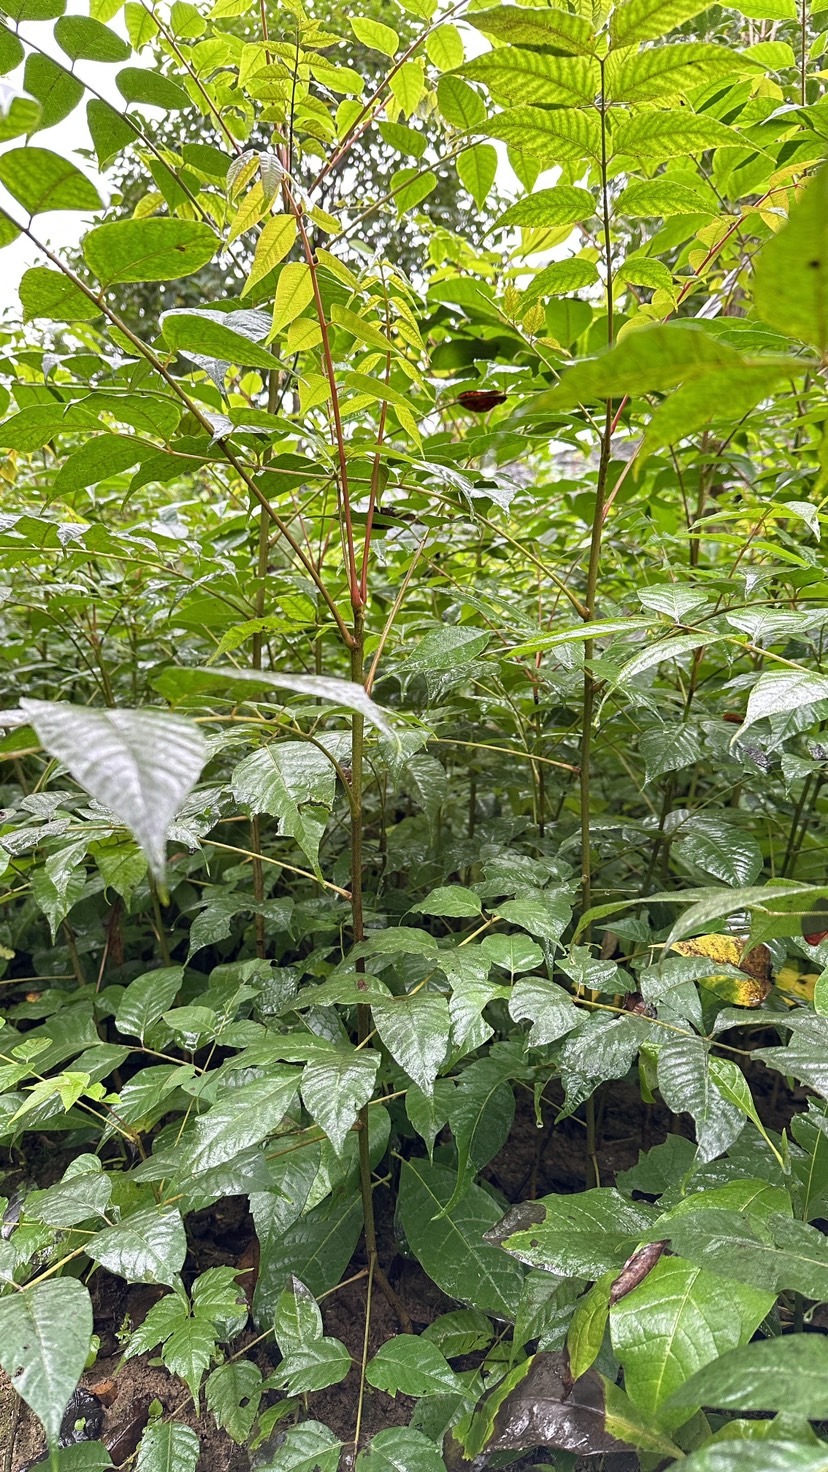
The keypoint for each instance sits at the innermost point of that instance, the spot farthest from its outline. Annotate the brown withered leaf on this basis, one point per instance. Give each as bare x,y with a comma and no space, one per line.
546,1409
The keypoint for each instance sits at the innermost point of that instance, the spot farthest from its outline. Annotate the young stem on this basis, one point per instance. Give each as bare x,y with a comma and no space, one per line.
364,1020
595,549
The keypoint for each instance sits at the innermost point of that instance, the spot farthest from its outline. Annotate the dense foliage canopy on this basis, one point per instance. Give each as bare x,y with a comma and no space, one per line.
414,808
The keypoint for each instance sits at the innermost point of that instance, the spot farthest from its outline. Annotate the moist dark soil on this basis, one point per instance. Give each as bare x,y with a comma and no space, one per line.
535,1162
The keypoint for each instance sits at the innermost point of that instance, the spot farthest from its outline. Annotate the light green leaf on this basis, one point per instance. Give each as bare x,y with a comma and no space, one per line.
335,1089
407,85
40,180
148,250
374,34
515,74
552,136
536,28
665,72
646,20
146,1247
84,39
400,1449
460,105
656,136
51,295
580,1236
678,1319
188,1352
276,239
141,764
550,208
476,168
415,1030
44,1341
233,1394
168,1446
245,1116
444,47
411,1365
293,781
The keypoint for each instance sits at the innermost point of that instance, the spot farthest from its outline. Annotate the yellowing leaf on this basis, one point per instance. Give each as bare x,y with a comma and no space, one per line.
293,292
273,245
729,950
249,212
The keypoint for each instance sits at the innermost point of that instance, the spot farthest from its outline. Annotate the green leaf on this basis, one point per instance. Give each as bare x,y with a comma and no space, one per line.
481,1112
661,198
316,1247
51,295
84,39
581,1236
411,1365
444,47
451,900
230,337
517,75
168,1446
345,693
148,250
84,1192
309,1447
535,28
407,85
245,1116
646,20
188,1351
400,1449
141,764
97,459
655,357
588,1326
233,1394
668,72
788,1374
57,91
44,1342
335,1089
12,50
552,137
460,105
653,137
276,239
677,1320
685,1084
40,180
476,169
550,208
779,691
146,1247
110,133
375,35
772,1253
761,1455
548,1007
150,88
296,783
146,999
561,277
34,9
450,1247
415,1030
